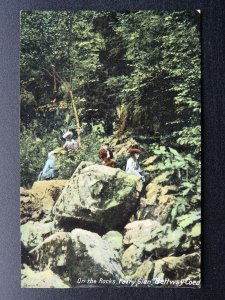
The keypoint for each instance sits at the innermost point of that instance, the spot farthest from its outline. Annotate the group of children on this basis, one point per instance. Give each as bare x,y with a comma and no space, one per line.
105,154
132,166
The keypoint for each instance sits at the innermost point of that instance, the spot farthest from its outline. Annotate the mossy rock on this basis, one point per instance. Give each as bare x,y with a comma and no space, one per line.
98,198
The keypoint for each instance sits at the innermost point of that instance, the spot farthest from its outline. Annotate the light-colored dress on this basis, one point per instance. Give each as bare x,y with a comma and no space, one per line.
71,145
133,167
48,171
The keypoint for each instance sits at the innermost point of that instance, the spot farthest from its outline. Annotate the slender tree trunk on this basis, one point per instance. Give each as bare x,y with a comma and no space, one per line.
76,117
54,80
123,124
57,78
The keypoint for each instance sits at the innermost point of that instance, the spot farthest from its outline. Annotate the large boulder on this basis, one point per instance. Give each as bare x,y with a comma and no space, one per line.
148,239
34,233
48,191
97,198
143,272
164,241
153,237
77,257
53,253
30,207
44,279
93,258
37,202
138,228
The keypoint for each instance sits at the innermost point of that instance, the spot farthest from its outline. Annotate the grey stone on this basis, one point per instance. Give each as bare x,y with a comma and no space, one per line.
44,279
114,239
98,196
34,233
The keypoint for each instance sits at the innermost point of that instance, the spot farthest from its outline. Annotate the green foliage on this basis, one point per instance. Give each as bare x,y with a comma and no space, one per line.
34,151
190,137
91,145
147,61
186,170
181,207
121,162
98,128
132,73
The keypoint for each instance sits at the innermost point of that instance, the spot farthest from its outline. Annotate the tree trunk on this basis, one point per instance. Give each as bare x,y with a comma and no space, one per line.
54,80
76,117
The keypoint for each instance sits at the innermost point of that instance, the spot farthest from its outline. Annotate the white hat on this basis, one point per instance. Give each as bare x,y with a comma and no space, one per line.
67,134
51,154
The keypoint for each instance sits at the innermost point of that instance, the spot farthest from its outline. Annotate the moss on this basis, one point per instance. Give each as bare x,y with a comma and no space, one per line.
195,231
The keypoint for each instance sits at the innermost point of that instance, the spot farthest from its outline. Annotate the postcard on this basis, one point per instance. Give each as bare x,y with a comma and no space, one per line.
110,148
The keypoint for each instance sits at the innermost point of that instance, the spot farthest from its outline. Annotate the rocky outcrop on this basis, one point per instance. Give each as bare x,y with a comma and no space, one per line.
104,227
53,253
97,197
157,258
138,229
30,207
158,202
37,202
144,271
171,271
150,239
132,259
122,149
77,257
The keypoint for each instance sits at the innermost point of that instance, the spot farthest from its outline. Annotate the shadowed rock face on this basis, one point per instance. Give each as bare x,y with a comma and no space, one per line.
36,203
185,266
98,196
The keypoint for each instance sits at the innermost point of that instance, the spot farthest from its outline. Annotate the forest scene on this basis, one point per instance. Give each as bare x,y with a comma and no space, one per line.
110,148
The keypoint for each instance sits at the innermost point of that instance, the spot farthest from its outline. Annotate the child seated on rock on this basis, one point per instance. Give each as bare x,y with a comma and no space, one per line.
106,155
133,166
48,171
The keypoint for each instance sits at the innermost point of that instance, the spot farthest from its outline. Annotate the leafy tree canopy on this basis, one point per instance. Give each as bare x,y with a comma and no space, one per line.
134,73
